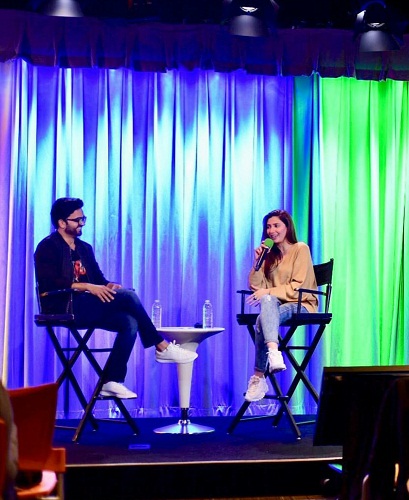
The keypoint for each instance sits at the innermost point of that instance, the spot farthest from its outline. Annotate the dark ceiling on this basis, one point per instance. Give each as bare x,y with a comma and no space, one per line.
291,14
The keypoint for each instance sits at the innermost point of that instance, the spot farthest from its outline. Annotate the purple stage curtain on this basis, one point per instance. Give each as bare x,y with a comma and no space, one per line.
90,42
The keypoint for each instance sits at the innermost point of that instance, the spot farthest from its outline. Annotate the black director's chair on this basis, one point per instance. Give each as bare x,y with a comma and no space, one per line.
323,275
68,357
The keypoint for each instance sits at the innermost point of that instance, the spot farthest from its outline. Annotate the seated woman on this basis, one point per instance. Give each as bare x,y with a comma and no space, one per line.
287,267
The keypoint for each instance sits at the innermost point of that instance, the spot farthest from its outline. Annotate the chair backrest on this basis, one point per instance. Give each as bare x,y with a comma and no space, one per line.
323,272
323,276
34,410
39,302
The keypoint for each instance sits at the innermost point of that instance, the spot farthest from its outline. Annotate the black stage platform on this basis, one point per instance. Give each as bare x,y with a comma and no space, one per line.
256,460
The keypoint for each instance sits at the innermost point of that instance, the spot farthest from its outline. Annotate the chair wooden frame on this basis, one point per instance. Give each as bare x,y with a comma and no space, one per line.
68,357
323,274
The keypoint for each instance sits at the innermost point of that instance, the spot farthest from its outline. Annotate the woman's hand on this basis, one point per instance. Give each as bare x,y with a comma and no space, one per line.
258,251
254,299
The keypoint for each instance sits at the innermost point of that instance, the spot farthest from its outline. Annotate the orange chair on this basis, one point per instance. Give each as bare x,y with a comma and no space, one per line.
34,411
3,454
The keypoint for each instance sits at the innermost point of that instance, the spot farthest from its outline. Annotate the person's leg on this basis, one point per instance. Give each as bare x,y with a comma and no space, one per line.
269,324
272,315
116,367
90,312
129,302
270,319
275,357
266,337
166,352
261,349
266,343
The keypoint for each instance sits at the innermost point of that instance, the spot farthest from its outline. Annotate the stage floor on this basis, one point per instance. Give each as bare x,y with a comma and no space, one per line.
113,463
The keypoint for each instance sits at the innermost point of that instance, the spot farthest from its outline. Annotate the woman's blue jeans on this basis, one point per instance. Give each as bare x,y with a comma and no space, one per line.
272,314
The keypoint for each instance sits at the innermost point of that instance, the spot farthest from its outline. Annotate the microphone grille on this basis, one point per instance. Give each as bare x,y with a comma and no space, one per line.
268,242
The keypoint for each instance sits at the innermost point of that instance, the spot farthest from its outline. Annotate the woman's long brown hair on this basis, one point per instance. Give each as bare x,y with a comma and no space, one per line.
274,256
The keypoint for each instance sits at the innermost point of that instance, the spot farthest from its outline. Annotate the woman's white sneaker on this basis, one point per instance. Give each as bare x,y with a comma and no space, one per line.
275,361
257,389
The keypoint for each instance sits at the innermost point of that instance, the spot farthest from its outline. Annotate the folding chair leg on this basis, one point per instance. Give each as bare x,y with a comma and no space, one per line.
95,396
300,372
88,412
67,373
124,410
238,416
284,407
68,378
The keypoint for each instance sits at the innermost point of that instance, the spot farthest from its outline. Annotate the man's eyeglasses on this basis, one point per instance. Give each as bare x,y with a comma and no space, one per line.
83,220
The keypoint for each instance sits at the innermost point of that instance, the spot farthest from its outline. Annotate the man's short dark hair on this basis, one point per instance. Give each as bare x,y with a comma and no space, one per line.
63,208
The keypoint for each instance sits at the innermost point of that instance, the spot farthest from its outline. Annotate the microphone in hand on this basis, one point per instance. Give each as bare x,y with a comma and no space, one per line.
268,245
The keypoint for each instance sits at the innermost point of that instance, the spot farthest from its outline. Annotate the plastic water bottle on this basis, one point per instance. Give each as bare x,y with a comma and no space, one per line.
157,313
207,314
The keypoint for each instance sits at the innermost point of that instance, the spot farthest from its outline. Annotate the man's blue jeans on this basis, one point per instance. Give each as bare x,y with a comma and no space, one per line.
125,315
272,314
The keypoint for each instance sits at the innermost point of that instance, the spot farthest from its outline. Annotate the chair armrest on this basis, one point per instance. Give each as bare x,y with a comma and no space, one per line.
306,290
310,290
56,292
67,292
243,298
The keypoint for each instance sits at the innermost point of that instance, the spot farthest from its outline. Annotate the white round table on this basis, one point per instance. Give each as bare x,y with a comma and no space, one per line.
190,338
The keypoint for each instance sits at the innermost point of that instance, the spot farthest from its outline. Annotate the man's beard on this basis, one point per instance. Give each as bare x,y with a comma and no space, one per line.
73,232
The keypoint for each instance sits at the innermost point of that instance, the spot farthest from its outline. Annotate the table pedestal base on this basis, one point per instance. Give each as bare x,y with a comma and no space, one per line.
189,338
184,426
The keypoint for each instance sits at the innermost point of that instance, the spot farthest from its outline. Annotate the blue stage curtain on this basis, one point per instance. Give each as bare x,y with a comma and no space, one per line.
177,170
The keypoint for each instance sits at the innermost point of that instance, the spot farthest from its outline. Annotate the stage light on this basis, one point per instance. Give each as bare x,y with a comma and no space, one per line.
379,28
250,17
63,8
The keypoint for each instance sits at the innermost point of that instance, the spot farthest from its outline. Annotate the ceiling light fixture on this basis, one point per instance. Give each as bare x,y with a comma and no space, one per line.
250,17
378,28
63,8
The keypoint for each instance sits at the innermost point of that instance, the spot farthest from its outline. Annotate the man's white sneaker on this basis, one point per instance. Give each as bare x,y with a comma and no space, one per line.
275,361
257,389
118,390
174,353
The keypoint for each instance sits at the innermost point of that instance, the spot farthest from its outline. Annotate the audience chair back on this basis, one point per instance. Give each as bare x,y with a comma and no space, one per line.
34,410
3,455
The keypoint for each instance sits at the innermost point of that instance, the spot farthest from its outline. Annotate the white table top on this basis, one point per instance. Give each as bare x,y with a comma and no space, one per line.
184,334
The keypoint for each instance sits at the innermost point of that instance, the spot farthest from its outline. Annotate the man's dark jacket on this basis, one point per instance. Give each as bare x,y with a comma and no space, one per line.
54,270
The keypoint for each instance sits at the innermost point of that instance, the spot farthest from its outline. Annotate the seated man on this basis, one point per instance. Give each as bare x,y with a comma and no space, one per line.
63,260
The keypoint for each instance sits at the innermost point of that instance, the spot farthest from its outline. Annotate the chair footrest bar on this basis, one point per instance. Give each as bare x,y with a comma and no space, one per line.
277,397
